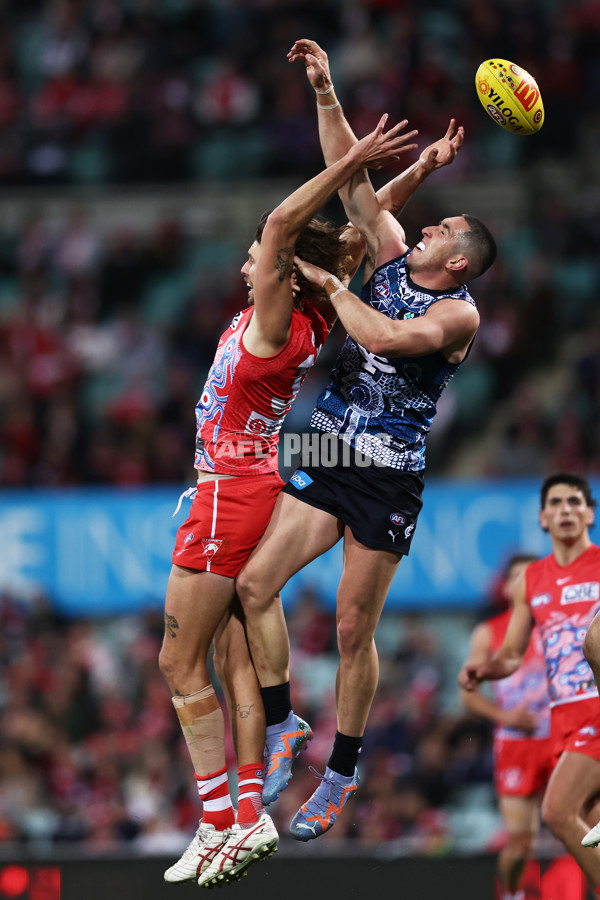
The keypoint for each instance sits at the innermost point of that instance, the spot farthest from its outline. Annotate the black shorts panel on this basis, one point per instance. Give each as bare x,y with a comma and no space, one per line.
380,505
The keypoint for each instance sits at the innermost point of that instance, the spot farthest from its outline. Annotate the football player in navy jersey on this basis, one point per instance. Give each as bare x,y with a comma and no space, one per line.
407,335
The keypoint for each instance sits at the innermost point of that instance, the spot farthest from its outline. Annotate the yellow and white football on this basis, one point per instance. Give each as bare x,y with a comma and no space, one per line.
510,95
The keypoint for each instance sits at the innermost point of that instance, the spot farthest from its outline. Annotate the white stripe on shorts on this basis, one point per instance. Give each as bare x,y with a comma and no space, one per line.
214,520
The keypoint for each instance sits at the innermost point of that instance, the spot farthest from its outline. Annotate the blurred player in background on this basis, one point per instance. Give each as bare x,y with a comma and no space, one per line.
261,362
591,651
520,711
407,337
561,595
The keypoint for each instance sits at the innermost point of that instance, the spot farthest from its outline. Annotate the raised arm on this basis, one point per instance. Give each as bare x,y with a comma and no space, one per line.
448,325
357,194
365,209
480,651
510,655
272,291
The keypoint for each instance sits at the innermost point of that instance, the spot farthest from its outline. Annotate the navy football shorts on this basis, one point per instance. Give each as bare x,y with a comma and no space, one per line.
380,505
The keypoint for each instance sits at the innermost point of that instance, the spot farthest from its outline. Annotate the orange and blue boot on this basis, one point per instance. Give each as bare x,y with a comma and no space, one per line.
320,813
283,744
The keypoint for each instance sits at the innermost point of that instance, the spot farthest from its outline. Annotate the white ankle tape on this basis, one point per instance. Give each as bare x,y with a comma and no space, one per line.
184,699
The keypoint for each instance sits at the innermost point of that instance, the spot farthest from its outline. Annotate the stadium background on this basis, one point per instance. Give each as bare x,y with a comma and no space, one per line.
141,140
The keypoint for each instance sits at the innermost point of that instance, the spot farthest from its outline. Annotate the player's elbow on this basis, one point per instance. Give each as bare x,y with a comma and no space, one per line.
280,221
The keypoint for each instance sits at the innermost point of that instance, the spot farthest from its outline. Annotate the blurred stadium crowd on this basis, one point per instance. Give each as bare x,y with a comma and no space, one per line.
96,388
91,752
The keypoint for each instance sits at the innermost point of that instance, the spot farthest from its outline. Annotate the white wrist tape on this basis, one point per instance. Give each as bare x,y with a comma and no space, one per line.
328,91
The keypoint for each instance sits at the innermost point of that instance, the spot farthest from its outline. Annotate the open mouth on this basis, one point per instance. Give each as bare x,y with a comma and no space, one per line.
420,246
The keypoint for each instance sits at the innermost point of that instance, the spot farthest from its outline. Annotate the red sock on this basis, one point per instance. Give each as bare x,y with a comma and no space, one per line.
250,783
217,808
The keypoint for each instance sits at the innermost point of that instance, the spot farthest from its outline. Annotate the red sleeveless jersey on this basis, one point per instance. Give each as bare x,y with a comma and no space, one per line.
527,686
246,398
563,602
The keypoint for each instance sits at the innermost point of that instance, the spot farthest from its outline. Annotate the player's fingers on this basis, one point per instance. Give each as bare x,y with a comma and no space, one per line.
398,127
451,128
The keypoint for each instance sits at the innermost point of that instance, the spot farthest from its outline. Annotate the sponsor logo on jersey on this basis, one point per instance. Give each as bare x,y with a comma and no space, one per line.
300,479
210,547
397,519
382,290
258,424
408,531
189,537
579,593
541,600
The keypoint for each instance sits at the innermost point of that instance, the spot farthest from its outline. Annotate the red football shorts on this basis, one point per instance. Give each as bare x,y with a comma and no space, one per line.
575,728
522,766
227,520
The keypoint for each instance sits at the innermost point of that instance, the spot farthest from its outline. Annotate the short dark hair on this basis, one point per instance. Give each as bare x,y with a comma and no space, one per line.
573,480
480,247
318,243
518,558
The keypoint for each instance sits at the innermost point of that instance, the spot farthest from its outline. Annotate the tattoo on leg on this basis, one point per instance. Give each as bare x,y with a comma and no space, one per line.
283,265
171,625
244,711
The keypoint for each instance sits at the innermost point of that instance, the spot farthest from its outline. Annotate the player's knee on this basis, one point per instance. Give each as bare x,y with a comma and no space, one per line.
248,589
167,664
352,636
555,816
519,845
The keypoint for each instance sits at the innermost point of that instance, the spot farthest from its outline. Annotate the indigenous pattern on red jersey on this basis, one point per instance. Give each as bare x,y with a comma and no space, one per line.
528,686
246,398
563,602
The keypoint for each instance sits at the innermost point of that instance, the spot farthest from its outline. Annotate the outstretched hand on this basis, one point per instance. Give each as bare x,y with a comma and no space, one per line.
443,152
316,61
377,148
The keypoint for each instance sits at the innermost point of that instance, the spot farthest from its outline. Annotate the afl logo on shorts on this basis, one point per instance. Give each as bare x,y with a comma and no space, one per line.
397,519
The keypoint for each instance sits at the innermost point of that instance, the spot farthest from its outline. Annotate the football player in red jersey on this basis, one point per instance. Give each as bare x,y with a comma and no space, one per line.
261,361
561,595
519,709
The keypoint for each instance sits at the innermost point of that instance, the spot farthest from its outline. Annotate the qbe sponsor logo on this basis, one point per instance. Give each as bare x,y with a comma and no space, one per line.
541,600
579,593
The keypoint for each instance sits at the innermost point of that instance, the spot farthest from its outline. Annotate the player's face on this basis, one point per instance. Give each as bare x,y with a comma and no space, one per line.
566,515
249,268
437,245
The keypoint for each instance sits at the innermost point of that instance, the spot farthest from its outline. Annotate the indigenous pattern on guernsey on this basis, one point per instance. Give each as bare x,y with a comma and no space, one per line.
384,406
527,686
563,601
246,398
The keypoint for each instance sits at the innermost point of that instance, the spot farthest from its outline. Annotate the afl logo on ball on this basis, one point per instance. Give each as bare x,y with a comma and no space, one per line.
496,114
